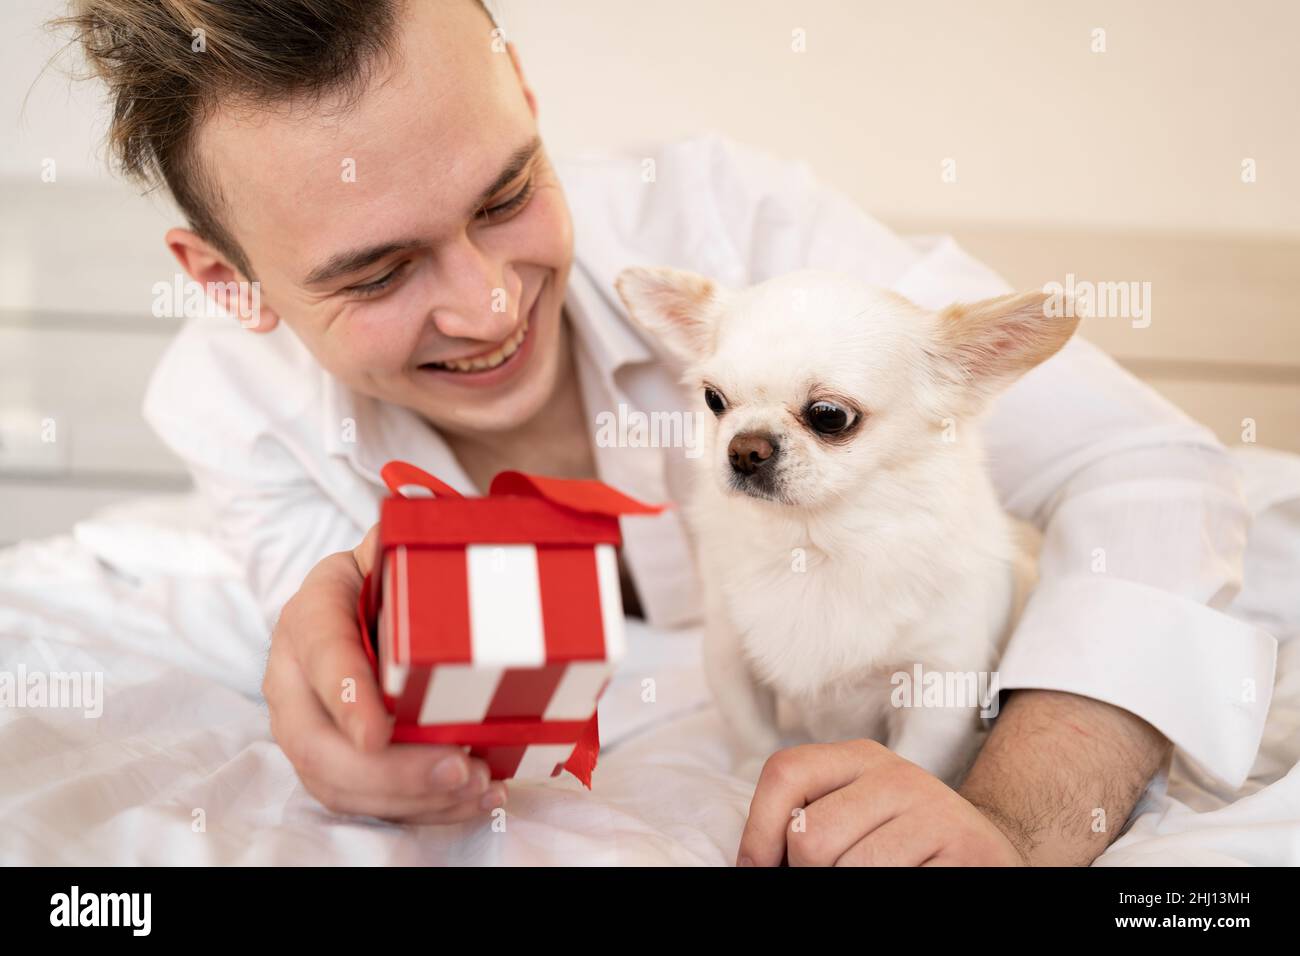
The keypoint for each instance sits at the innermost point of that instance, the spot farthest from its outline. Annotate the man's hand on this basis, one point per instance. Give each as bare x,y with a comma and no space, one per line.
329,718
857,803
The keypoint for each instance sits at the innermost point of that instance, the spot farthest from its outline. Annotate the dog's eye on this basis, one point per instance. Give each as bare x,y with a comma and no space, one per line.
827,418
713,398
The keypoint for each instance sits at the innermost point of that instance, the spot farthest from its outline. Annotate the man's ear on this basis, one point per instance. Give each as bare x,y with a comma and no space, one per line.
210,269
984,346
681,309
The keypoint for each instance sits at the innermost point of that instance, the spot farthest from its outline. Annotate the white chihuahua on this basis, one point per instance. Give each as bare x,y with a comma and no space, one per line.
846,527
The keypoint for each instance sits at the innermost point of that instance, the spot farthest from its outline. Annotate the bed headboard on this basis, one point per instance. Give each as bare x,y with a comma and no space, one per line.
1222,339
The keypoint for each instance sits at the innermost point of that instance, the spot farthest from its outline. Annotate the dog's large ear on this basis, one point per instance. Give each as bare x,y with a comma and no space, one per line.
681,309
985,346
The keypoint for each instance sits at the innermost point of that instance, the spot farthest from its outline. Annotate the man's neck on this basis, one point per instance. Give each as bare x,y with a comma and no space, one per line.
556,441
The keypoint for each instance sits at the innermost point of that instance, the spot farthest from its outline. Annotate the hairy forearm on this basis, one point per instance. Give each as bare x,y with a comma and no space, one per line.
1059,774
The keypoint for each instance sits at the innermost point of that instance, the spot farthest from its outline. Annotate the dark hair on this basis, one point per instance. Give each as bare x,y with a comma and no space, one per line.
255,51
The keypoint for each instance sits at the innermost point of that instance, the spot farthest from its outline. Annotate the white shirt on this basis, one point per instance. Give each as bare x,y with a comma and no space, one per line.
1143,524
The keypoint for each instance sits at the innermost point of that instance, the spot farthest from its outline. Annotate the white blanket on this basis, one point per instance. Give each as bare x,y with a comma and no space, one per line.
181,769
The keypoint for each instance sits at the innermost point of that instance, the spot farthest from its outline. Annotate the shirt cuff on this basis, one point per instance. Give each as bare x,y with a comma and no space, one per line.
1200,677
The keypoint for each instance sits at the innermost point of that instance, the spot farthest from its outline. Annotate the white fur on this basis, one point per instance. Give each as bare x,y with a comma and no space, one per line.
867,555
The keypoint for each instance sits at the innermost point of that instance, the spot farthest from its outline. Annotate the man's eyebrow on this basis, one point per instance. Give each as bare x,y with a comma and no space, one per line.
354,260
515,165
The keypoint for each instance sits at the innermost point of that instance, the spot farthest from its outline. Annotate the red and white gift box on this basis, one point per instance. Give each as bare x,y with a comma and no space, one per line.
494,623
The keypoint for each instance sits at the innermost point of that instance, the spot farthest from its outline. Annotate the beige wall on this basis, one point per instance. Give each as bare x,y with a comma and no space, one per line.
1150,134
1115,166
1123,165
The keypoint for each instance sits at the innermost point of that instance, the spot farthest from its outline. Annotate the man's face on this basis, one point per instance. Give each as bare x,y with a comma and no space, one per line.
416,238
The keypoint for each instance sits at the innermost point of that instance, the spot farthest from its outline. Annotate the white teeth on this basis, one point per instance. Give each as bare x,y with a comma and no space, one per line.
493,358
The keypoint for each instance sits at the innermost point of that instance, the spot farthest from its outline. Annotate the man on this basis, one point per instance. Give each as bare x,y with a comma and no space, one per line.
376,168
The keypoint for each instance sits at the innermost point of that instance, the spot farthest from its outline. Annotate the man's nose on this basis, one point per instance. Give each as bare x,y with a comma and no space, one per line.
750,451
478,298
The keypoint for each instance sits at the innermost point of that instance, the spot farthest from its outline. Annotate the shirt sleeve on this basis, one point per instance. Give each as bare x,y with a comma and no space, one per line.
277,531
271,515
1142,521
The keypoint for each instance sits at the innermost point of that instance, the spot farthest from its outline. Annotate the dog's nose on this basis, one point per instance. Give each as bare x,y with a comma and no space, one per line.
750,452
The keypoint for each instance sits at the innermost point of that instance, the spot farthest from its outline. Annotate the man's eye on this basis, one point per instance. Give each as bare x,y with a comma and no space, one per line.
515,202
378,285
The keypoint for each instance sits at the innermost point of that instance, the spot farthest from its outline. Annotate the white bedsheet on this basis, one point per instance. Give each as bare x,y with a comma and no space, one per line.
180,768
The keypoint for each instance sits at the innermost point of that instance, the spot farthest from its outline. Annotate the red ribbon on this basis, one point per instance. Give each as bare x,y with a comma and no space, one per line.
483,739
496,733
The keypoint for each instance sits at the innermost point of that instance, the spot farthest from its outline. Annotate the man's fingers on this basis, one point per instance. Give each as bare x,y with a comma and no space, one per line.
327,713
462,812
901,841
389,800
340,674
398,781
449,809
319,626
475,799
792,779
826,828
318,750
364,553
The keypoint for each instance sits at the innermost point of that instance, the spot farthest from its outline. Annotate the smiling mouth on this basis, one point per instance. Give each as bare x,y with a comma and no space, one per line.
488,360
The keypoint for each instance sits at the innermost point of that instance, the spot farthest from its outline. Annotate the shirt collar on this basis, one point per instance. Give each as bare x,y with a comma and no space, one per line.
601,325
369,433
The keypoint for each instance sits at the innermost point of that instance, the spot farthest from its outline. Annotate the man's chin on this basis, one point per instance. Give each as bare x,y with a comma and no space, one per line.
484,412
